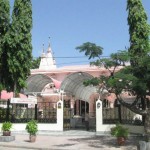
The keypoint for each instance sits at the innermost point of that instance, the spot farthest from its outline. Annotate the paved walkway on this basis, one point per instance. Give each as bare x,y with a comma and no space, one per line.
68,140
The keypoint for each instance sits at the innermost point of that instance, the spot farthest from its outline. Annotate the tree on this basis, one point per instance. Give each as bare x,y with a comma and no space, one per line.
19,55
4,21
35,63
4,26
138,30
134,79
86,47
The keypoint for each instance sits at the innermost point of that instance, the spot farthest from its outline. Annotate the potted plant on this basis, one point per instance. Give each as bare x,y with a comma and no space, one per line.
32,129
121,133
6,128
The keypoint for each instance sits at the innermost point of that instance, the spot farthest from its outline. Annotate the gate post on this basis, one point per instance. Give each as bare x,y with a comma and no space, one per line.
99,116
60,113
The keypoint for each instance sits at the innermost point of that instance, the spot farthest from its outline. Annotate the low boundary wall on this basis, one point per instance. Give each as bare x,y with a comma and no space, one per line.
44,126
100,127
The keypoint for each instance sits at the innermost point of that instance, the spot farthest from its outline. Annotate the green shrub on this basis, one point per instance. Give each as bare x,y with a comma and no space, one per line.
6,126
119,131
32,127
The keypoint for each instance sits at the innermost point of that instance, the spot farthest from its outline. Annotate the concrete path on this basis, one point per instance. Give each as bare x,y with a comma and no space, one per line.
68,140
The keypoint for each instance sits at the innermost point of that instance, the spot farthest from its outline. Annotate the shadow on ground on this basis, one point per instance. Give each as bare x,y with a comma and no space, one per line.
108,141
103,142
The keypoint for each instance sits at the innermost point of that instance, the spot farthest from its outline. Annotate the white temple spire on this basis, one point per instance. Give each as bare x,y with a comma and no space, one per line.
47,59
43,53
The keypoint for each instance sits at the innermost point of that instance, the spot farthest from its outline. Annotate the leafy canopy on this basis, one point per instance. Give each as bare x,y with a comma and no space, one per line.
19,53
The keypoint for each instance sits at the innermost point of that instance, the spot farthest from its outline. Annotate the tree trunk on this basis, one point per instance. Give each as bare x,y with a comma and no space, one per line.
143,102
147,125
14,91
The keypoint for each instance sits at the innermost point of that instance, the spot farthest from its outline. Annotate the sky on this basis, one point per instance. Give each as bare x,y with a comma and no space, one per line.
70,23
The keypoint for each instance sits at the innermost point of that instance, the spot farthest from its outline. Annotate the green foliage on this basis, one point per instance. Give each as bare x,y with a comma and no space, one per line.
119,131
125,80
32,127
113,81
90,49
139,31
6,126
2,113
134,79
19,52
116,59
94,81
4,27
35,63
121,57
4,20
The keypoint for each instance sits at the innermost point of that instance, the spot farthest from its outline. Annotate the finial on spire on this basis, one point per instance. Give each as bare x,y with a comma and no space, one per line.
49,46
43,54
49,42
43,47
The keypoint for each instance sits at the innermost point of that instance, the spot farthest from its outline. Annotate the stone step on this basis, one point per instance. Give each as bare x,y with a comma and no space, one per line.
7,138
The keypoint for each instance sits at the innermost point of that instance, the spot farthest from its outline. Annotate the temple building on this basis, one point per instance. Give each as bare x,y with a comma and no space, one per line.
51,83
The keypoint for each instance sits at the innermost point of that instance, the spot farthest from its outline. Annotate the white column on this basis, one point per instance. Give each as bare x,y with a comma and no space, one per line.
60,115
99,116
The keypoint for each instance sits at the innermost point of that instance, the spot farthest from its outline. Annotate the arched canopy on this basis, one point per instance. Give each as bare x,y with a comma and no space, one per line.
73,84
36,83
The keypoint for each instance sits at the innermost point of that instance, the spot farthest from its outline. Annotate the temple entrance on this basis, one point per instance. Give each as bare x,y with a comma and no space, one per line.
74,118
74,115
81,97
81,108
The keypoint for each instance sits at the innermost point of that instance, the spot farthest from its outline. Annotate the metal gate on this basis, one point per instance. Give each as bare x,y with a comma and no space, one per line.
43,112
67,115
47,112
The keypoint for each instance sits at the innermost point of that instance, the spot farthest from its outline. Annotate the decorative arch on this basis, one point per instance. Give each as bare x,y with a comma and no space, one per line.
73,85
36,83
